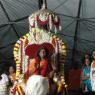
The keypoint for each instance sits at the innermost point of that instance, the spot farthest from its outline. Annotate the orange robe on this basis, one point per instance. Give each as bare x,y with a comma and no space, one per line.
38,68
12,77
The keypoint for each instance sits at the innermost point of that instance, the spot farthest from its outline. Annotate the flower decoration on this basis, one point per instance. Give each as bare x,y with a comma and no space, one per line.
45,17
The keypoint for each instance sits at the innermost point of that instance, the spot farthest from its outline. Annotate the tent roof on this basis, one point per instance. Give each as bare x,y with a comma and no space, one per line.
14,24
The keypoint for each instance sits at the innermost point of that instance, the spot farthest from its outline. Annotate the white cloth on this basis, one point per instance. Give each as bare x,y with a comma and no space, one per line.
37,85
3,84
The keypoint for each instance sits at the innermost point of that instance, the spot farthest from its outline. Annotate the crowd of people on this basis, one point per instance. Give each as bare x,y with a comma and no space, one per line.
40,70
6,80
40,77
83,79
88,73
39,84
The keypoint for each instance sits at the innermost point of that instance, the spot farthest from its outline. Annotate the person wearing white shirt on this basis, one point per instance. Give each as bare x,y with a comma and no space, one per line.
37,85
3,83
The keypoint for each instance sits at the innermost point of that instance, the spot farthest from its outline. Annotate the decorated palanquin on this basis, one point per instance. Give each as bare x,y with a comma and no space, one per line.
44,26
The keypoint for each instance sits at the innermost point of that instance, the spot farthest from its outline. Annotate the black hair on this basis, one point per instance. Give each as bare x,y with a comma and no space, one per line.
47,53
85,60
92,54
13,67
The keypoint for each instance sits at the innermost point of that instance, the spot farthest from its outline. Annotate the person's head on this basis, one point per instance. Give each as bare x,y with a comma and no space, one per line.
37,85
87,55
11,69
93,54
87,62
43,53
39,50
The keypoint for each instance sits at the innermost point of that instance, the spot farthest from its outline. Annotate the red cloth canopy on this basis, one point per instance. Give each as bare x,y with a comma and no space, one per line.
32,49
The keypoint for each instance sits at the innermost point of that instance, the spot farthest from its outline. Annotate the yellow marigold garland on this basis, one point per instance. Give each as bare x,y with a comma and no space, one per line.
16,53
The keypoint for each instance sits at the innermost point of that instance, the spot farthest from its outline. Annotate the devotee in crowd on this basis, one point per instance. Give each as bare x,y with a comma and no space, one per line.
92,75
86,56
12,78
3,83
12,74
85,76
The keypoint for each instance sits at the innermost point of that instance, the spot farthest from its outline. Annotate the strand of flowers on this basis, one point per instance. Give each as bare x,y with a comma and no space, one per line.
16,54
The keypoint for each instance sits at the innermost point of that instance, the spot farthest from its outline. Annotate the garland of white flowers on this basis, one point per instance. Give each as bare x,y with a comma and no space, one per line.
45,17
